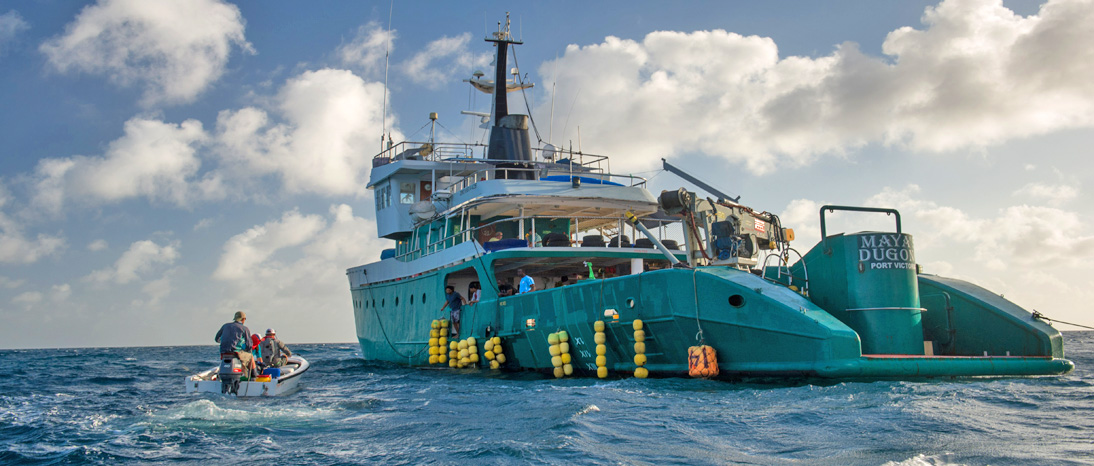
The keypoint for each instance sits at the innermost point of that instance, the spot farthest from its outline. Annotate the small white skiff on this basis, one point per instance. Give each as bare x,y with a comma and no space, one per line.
291,373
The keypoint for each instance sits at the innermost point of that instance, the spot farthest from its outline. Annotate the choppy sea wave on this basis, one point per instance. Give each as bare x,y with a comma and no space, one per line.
122,405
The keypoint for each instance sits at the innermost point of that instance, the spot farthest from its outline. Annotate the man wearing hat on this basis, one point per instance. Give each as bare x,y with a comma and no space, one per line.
235,338
274,353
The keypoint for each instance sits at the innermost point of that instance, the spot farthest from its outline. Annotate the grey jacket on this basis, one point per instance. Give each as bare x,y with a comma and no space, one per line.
272,349
233,336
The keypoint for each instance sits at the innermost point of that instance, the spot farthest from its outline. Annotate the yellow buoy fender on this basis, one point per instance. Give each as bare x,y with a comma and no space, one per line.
433,359
463,353
556,361
564,347
471,341
472,349
500,358
552,339
640,360
432,342
554,350
565,358
435,324
601,350
559,373
462,345
567,369
602,372
442,359
637,324
598,326
600,338
452,362
563,336
444,322
639,335
494,365
641,373
453,345
442,341
702,361
473,358
601,361
489,345
434,333
496,340
639,348
489,355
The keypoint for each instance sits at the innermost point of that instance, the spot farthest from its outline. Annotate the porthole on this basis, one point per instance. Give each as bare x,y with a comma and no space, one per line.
630,303
736,300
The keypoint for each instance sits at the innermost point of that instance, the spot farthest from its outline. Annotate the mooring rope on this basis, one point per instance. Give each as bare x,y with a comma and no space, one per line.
1038,315
381,323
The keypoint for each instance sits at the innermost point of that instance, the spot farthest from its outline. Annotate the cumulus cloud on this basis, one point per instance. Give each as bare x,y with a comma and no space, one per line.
976,74
11,284
16,247
29,298
137,262
442,59
153,159
327,121
296,266
11,24
245,251
173,49
1022,235
1027,236
366,51
1053,194
97,245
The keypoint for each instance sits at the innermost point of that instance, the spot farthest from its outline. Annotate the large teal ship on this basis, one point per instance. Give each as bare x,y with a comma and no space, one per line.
703,271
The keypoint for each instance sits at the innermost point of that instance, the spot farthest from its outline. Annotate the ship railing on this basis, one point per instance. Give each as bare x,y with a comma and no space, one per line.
604,225
539,171
577,161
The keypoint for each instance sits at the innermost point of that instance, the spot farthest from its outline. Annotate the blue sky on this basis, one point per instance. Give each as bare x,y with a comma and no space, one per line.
167,163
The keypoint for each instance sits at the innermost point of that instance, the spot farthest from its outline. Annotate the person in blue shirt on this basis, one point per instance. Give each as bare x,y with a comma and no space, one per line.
235,338
527,285
454,302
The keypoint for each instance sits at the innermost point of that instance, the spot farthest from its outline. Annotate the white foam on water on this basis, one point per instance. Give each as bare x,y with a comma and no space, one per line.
926,460
208,410
588,409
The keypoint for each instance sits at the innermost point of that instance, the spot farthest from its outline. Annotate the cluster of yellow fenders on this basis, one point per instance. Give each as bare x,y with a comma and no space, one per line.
639,350
438,340
601,350
702,361
461,353
560,353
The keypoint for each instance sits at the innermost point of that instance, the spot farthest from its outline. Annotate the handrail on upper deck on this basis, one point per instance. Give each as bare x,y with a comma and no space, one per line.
441,151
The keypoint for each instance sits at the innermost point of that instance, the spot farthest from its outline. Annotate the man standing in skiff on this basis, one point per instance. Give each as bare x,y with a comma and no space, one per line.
235,338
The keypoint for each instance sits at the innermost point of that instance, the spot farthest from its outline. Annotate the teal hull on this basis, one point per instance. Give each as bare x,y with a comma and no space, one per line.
758,328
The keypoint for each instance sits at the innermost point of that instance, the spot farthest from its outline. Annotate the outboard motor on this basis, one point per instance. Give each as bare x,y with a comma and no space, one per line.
231,369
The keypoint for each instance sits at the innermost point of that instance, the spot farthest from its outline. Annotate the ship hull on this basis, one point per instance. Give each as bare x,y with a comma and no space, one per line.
758,328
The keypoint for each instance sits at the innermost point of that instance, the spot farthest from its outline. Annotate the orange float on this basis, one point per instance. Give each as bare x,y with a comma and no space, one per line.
702,362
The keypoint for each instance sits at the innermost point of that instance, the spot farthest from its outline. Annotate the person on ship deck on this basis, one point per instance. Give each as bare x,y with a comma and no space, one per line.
454,302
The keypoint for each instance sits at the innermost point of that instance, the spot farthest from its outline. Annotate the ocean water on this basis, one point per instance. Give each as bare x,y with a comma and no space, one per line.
126,405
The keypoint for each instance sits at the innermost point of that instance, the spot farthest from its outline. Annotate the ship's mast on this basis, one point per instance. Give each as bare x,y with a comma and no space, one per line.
502,38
